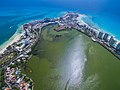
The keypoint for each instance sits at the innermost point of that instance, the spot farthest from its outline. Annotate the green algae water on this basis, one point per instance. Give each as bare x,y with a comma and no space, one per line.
69,60
101,69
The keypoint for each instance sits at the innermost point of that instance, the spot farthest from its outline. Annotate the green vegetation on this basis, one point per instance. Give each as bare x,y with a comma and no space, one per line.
0,78
2,83
15,88
7,58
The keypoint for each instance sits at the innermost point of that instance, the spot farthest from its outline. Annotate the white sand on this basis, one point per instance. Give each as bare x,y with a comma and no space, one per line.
14,38
79,18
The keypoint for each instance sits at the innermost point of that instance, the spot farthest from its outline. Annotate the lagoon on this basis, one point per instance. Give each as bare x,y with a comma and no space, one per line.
72,61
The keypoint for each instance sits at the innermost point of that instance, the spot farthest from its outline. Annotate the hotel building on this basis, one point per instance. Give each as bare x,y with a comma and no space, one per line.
113,42
100,35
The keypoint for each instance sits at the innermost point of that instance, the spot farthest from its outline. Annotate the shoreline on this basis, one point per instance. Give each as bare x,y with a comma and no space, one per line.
30,31
89,21
16,37
79,18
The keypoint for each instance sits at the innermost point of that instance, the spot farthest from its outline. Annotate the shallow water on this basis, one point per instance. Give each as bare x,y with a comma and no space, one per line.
12,18
74,60
105,22
60,61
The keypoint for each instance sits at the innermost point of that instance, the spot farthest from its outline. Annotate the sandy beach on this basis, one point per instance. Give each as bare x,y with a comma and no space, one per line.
14,38
79,18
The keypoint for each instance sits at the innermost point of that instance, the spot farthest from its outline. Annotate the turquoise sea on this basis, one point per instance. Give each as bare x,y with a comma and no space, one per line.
106,22
12,18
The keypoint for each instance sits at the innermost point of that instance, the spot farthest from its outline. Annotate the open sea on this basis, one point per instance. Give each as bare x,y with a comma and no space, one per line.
12,18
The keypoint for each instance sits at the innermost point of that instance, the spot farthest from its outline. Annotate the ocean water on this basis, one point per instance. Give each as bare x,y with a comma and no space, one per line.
105,22
12,18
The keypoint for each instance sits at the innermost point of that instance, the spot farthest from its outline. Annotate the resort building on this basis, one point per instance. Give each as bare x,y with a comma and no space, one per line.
106,37
96,33
100,35
113,42
118,48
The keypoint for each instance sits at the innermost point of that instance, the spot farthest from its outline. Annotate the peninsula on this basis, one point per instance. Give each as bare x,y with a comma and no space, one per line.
19,52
